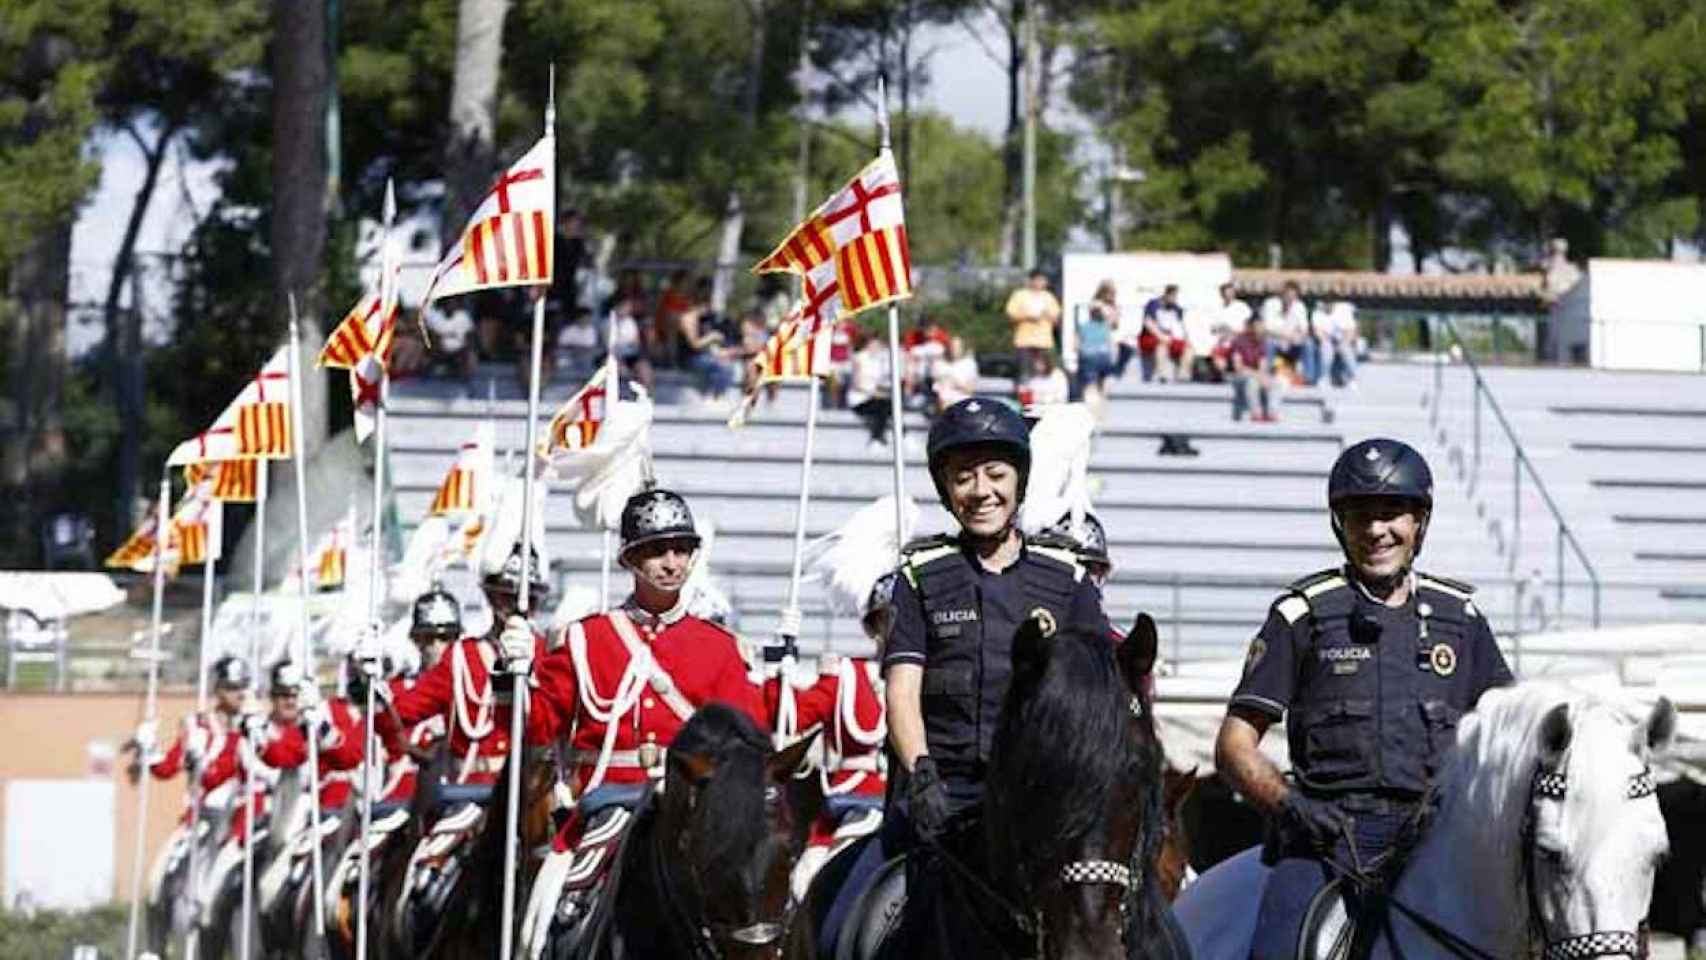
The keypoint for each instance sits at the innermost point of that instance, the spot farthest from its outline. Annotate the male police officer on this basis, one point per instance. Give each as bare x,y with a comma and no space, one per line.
1371,665
949,656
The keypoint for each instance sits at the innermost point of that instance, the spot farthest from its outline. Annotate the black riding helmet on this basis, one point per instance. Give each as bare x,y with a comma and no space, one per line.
437,616
1380,467
979,421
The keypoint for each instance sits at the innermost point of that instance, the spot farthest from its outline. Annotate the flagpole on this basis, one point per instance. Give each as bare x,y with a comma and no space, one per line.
896,404
612,395
518,700
160,536
369,754
300,458
261,473
213,548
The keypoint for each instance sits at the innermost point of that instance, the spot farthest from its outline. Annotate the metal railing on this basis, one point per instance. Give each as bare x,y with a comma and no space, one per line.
1468,462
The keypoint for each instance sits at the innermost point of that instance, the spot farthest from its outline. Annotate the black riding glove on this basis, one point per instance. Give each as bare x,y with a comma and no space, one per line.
1316,822
927,799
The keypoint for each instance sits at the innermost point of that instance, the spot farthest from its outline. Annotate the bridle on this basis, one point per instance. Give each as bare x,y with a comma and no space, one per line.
1554,785
1546,785
702,935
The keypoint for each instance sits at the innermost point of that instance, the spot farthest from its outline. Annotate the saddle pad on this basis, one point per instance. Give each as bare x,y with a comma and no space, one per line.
449,831
597,847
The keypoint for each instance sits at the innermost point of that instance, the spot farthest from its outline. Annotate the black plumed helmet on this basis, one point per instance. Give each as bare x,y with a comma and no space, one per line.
979,421
285,677
507,579
656,514
1379,467
1089,539
231,673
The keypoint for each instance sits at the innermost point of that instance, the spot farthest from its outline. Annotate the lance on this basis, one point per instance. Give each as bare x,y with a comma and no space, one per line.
214,533
896,408
612,395
153,657
787,718
368,753
518,701
255,673
300,458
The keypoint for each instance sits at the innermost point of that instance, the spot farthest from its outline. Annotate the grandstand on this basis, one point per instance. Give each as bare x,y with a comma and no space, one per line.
1204,542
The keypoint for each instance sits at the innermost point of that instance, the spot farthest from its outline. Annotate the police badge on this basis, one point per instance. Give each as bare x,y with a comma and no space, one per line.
1443,659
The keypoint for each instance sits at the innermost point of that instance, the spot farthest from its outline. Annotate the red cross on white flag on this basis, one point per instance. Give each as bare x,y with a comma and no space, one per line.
255,426
508,240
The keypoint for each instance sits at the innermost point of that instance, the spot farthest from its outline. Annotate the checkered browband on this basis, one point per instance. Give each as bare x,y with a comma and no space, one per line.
1619,943
1097,871
1555,785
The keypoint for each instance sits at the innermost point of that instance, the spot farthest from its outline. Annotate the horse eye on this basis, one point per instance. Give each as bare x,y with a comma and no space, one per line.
772,794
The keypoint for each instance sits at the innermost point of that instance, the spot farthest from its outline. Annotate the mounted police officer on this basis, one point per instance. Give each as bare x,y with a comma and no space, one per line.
1371,665
956,606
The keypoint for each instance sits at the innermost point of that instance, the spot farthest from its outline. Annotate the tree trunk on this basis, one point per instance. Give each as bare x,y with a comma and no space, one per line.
470,157
301,79
1012,148
908,24
125,366
734,213
34,453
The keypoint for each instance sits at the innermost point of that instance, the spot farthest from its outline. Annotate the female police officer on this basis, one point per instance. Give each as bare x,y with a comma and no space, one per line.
959,600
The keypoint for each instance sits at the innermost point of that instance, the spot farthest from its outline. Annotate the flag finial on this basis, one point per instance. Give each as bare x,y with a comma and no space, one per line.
551,104
390,203
883,109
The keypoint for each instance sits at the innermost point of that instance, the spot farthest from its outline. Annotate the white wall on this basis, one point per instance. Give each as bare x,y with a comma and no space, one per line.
1636,315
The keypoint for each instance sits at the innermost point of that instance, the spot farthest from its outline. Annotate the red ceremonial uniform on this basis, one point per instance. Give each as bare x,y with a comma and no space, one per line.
283,748
623,684
845,708
458,688
215,732
341,752
402,773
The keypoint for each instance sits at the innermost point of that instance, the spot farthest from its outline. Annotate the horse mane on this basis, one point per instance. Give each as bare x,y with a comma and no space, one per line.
1067,726
734,823
1490,769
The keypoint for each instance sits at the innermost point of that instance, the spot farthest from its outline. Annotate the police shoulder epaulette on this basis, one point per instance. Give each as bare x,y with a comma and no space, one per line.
930,542
1457,588
1059,555
1292,607
1318,583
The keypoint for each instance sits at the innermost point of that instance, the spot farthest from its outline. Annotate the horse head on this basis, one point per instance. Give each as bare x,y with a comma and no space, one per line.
731,822
1173,860
1072,798
1595,833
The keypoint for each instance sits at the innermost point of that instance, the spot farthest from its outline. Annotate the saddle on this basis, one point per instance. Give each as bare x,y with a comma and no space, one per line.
434,867
574,891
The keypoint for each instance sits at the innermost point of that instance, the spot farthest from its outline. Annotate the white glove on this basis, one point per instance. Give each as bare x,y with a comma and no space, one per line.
369,652
254,725
516,644
829,664
308,697
147,737
195,743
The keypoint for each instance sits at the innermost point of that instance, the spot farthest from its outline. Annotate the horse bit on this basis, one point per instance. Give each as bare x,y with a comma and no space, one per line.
1552,785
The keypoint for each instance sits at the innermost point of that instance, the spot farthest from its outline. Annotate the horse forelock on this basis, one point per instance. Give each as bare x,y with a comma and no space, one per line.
731,820
1067,754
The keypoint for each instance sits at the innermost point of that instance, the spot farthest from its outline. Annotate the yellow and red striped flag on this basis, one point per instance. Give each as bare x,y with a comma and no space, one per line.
369,329
508,240
467,487
230,481
137,552
862,230
255,426
193,536
576,424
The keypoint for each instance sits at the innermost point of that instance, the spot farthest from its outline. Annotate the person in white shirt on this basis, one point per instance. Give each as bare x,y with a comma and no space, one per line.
1336,329
954,376
1045,384
868,387
1286,319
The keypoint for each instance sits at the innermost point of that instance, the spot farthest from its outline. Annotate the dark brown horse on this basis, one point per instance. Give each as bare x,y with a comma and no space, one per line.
1173,860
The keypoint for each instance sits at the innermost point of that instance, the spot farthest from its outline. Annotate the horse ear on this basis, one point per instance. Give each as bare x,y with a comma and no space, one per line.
1178,789
1137,653
1031,648
784,763
1555,734
1660,727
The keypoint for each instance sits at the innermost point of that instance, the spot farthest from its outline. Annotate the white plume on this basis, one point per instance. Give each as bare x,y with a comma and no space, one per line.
615,467
849,561
505,532
705,599
1060,466
420,560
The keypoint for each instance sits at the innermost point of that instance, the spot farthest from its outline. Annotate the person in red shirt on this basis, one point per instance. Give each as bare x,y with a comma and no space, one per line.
619,688
459,687
1251,367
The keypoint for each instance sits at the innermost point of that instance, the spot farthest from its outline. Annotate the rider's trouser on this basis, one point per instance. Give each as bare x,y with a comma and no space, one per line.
1299,875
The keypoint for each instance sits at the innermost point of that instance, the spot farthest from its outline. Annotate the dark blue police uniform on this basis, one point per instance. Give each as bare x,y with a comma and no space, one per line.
1371,696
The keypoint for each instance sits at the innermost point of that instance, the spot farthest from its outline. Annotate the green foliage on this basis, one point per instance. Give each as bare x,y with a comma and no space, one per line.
51,934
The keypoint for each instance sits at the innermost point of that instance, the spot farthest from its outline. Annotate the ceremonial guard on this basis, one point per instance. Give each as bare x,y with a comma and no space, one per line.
1371,665
618,689
458,687
435,622
956,607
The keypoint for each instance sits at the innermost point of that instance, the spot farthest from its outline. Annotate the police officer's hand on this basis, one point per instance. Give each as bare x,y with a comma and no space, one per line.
927,799
516,644
1316,821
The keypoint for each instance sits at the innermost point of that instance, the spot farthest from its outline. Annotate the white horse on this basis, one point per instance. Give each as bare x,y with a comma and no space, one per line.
1545,843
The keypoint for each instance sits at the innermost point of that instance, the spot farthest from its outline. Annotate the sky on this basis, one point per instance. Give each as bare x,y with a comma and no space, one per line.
967,84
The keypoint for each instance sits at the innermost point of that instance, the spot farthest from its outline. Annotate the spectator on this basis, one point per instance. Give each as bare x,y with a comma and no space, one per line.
1336,328
924,344
1034,313
841,342
1096,340
750,352
675,300
569,255
580,343
1287,321
955,375
1126,324
774,301
702,351
1163,324
1252,363
520,313
868,388
628,325
1045,385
